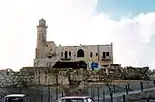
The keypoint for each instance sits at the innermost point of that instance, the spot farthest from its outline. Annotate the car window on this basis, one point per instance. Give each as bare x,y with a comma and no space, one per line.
72,100
14,99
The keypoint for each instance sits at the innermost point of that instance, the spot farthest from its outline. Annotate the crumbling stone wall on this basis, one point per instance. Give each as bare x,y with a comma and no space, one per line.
47,76
8,78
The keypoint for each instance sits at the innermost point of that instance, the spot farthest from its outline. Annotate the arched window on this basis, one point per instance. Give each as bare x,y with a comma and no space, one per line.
66,54
80,53
61,54
91,54
69,53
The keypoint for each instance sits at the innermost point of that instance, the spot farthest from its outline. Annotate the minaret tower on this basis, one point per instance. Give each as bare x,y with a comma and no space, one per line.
41,39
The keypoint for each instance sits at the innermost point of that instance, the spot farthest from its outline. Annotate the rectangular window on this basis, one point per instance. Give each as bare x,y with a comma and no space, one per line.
69,53
91,54
96,54
61,53
107,53
103,55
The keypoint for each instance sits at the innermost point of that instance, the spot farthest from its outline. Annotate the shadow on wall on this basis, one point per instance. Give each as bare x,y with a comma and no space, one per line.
74,65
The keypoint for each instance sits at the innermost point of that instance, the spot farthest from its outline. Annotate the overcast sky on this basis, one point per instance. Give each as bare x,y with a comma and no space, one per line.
130,25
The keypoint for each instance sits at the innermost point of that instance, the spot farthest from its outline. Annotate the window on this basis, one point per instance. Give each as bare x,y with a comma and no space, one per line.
61,53
49,56
107,53
105,65
96,54
103,55
45,78
91,54
15,99
69,53
66,54
80,53
71,100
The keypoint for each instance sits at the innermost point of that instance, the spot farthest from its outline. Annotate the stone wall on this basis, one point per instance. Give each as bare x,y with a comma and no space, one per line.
47,76
28,76
8,78
44,82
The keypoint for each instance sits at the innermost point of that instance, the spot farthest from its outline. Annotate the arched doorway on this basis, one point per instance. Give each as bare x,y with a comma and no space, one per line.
80,53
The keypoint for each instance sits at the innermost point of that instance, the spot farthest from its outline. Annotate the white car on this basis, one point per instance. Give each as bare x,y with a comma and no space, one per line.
15,98
75,99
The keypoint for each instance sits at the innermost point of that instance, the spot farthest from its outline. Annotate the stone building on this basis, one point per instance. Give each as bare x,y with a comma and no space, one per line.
50,55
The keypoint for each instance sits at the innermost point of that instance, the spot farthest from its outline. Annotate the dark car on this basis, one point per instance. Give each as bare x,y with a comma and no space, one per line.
15,98
75,99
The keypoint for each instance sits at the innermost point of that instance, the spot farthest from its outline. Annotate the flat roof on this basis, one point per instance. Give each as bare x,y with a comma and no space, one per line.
83,45
15,95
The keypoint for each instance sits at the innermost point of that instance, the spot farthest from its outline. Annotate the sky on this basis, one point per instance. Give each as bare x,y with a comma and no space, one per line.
129,24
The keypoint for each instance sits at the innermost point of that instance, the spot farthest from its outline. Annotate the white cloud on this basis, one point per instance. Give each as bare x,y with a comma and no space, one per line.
75,22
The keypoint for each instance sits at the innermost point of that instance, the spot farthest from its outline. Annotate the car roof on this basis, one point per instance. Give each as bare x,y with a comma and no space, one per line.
71,97
15,95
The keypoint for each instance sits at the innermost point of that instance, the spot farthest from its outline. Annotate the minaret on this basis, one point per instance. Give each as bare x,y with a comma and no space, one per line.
41,39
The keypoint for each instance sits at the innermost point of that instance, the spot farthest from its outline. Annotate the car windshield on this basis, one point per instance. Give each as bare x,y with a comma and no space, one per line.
14,99
72,100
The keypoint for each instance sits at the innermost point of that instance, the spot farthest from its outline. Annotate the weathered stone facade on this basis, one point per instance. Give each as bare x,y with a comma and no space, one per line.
47,53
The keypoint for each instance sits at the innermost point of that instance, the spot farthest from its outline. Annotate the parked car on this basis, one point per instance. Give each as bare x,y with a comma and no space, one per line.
15,98
75,99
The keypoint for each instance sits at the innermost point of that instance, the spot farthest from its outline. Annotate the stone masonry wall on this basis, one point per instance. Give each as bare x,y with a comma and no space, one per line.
44,76
8,78
29,76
